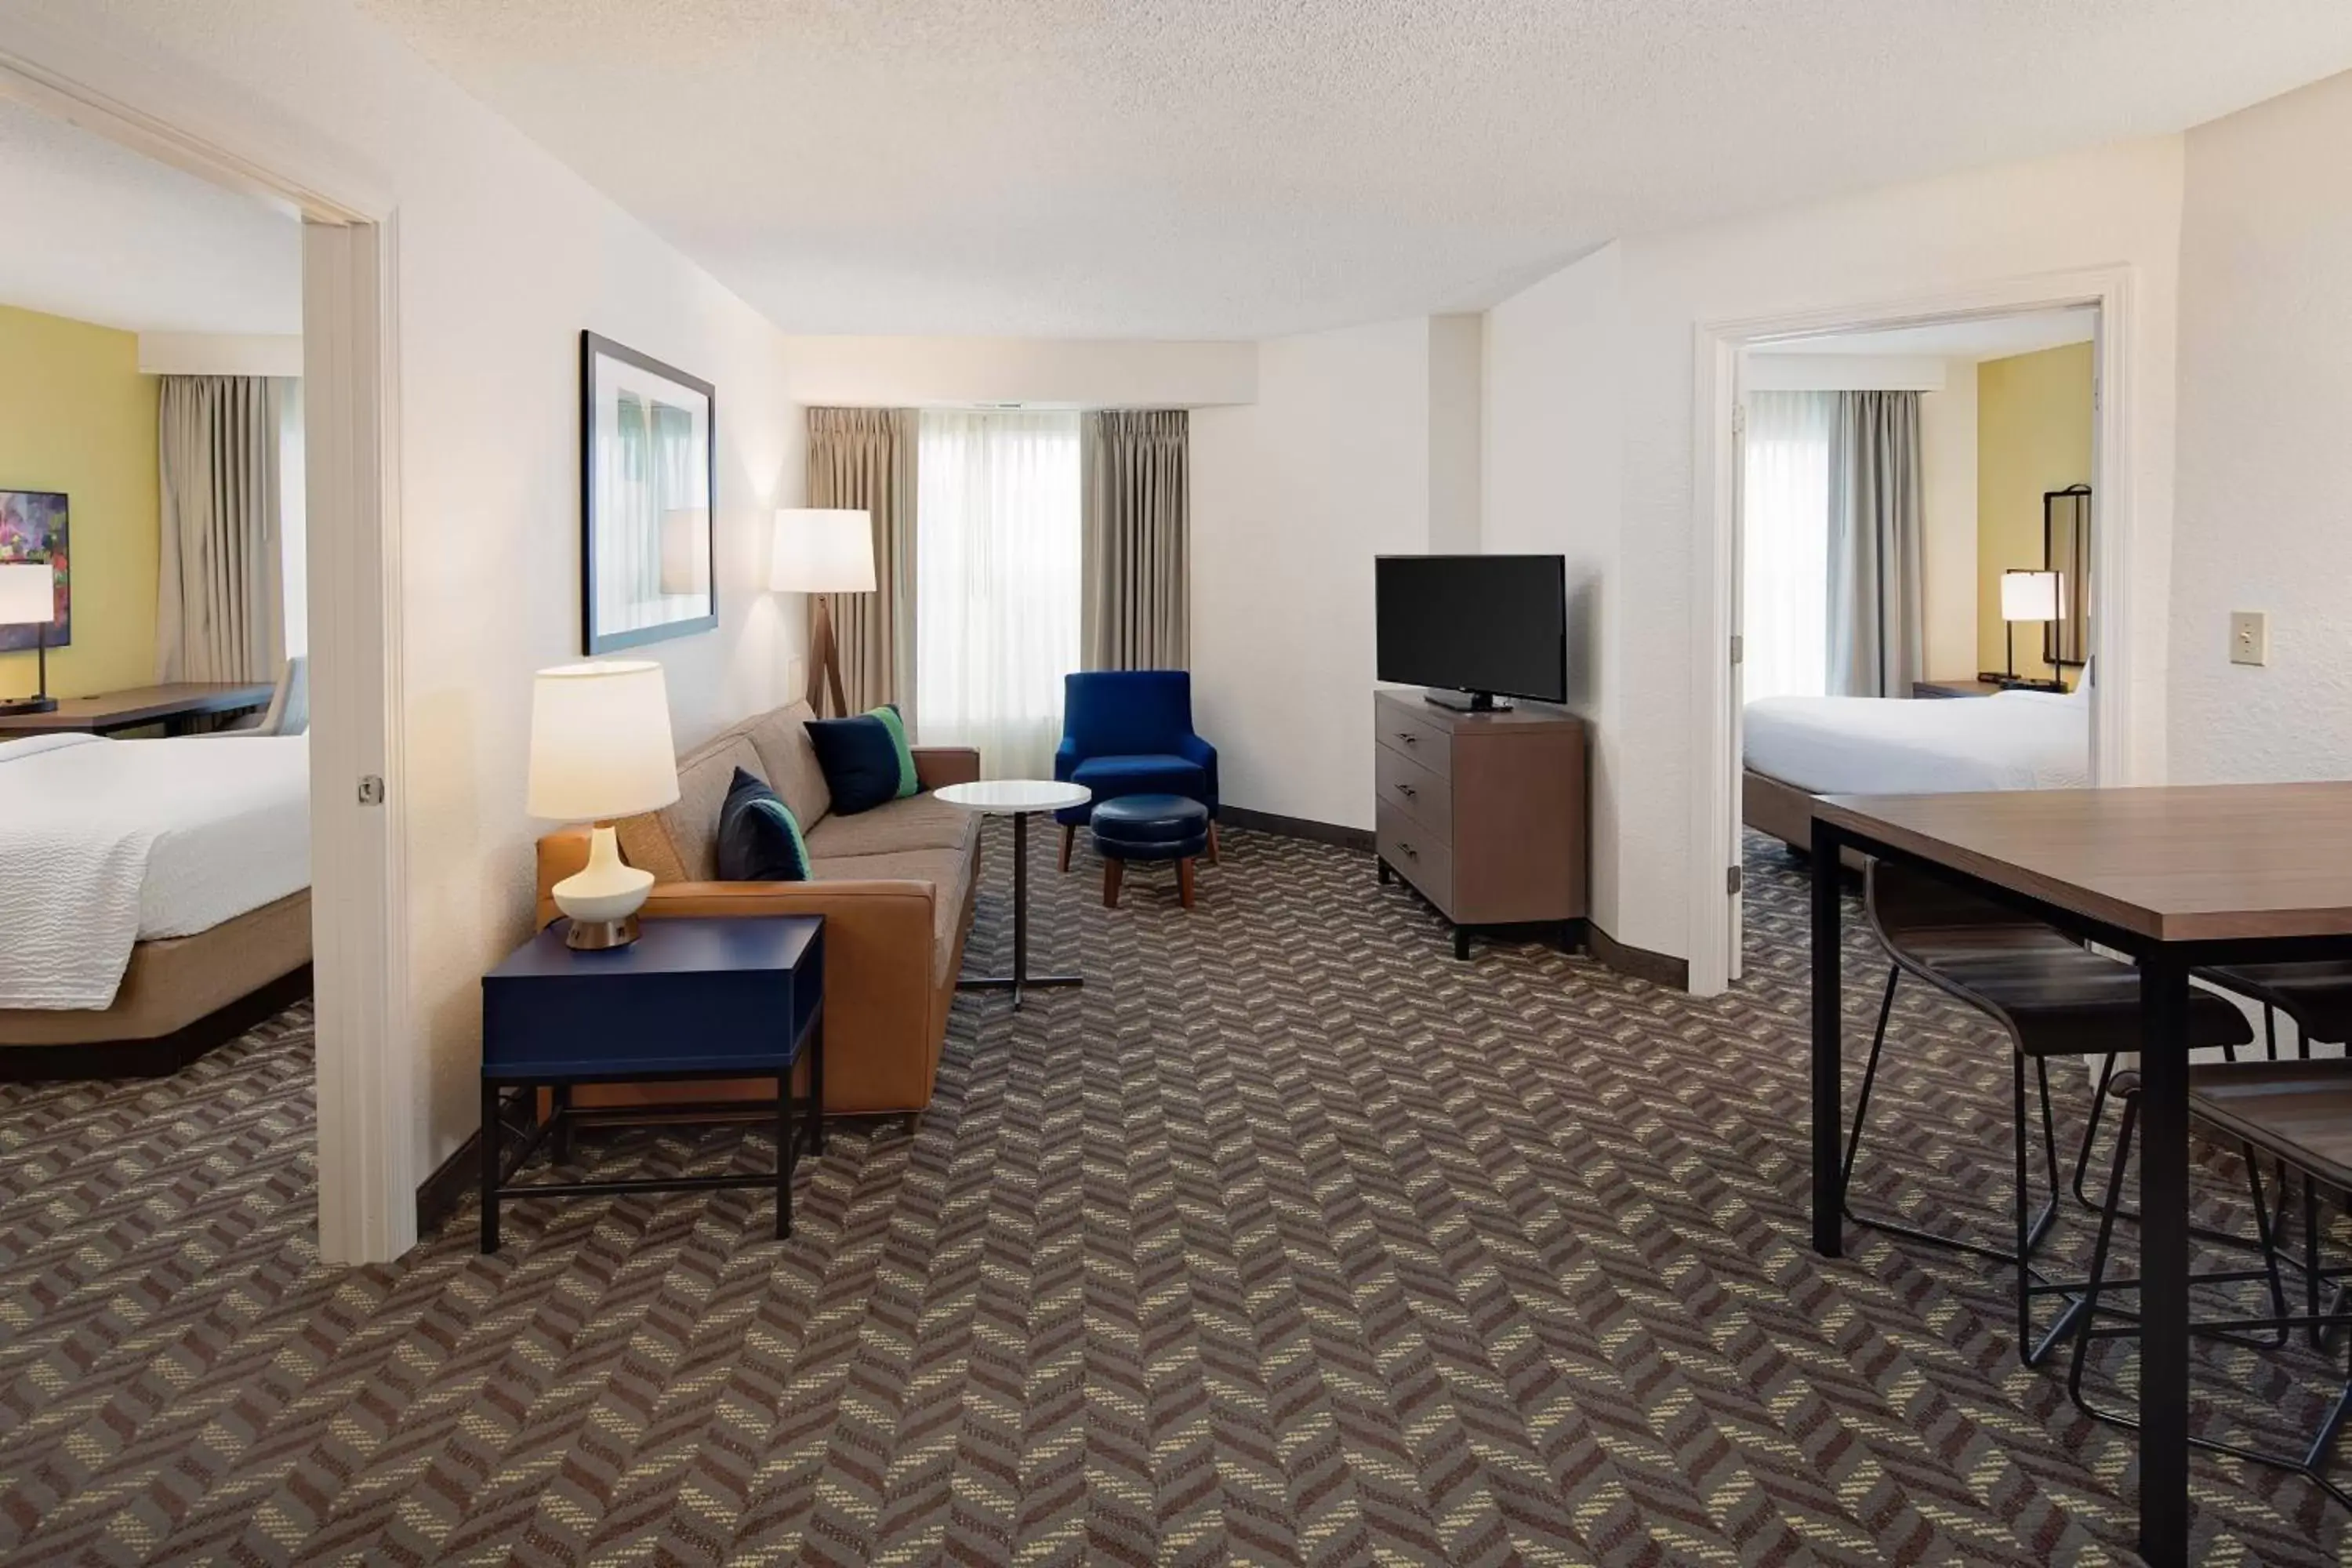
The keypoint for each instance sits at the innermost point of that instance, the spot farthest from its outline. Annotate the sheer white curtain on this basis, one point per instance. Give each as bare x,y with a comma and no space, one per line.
996,583
1784,567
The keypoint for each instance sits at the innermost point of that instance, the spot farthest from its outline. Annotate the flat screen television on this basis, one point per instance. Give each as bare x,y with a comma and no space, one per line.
1474,628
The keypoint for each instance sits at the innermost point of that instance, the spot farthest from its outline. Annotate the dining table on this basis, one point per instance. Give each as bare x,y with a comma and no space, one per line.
2172,878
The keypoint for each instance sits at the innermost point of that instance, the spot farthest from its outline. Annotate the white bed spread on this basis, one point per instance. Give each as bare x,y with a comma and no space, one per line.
106,843
1882,745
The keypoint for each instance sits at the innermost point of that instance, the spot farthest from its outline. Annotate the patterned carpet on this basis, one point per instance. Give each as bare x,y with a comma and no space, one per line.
1289,1239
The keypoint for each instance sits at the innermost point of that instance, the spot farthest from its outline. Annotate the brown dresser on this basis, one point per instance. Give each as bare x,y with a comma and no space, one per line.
1483,813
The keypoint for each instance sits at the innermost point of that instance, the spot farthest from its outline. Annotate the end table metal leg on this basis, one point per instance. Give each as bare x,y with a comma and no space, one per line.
490,1152
784,1153
816,1085
1020,903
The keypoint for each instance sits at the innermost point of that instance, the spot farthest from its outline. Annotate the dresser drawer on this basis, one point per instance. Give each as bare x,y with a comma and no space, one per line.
1415,854
1402,731
1425,796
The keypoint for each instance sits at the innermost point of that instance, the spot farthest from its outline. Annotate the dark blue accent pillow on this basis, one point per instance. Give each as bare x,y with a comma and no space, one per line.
759,841
859,758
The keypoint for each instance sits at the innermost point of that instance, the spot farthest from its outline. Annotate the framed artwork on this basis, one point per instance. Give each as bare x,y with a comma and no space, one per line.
648,472
32,525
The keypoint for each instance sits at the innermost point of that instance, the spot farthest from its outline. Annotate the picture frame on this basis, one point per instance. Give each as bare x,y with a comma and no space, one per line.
648,478
33,525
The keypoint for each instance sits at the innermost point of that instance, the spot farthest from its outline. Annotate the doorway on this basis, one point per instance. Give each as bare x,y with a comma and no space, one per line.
2086,314
357,797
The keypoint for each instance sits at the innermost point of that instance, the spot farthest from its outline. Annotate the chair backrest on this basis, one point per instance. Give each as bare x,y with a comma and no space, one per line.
1901,898
1127,712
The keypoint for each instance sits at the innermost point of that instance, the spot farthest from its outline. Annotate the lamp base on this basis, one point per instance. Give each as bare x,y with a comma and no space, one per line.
603,897
28,705
596,936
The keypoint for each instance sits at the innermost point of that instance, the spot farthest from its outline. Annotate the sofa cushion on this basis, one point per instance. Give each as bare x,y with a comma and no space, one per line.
758,839
948,870
788,761
860,760
691,821
919,822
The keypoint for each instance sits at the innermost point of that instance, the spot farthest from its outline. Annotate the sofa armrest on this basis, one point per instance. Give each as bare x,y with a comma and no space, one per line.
937,765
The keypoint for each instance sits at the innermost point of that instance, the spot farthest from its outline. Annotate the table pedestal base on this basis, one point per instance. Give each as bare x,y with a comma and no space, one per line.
1020,980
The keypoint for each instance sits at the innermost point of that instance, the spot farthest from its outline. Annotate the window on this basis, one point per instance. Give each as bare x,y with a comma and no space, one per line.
1784,545
996,583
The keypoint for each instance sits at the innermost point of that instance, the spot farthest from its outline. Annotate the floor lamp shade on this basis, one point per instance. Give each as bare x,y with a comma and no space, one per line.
600,747
820,551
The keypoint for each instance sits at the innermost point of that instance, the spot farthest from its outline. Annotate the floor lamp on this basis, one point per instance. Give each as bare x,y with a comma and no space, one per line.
820,551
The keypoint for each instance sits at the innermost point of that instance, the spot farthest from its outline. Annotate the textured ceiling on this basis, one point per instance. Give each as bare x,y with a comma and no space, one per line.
104,235
1239,168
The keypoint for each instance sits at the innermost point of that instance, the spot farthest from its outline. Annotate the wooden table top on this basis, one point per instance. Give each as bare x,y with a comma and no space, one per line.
2203,863
140,705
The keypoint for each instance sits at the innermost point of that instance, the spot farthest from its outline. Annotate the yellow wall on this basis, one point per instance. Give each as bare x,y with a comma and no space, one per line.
2033,435
76,415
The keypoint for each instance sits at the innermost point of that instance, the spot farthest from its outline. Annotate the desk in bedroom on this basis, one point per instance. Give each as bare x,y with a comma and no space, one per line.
174,707
2173,878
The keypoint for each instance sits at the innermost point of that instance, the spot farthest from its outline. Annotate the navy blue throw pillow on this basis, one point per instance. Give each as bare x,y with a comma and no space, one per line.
859,757
759,841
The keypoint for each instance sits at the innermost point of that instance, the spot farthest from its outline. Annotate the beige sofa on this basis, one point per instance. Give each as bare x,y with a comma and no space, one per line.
895,885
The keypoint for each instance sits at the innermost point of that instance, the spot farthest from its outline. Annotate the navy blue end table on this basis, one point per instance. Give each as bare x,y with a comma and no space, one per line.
689,999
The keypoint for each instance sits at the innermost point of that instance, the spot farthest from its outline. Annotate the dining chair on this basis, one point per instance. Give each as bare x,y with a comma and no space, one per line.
2295,1111
2053,998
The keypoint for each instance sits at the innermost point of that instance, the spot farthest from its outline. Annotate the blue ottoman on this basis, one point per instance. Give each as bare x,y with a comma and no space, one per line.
1149,827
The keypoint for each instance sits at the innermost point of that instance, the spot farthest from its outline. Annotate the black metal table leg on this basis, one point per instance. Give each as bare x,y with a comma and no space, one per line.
816,1087
786,1152
491,1150
1020,980
1829,1012
2164,1265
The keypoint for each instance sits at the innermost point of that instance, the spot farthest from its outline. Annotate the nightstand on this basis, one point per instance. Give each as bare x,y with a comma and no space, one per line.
689,999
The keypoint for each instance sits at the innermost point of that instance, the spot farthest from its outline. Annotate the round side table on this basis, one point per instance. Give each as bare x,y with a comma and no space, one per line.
1019,799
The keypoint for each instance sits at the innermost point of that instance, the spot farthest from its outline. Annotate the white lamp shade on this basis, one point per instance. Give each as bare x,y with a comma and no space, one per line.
600,744
2029,595
822,550
28,594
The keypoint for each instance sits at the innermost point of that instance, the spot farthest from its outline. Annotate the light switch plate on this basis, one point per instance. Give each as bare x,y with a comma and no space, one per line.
2250,637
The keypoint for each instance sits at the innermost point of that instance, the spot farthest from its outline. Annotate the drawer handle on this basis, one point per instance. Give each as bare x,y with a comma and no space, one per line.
1407,791
1409,849
1408,737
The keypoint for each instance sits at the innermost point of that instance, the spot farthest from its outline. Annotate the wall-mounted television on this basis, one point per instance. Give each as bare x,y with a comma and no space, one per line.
1474,628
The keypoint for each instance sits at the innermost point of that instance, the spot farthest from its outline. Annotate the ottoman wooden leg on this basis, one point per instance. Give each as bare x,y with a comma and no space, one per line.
1212,843
1113,868
1184,881
1070,832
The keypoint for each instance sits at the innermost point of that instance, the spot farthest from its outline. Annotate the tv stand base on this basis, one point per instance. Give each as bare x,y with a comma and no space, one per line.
1464,701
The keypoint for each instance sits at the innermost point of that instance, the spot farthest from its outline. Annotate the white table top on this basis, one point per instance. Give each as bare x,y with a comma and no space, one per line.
1011,798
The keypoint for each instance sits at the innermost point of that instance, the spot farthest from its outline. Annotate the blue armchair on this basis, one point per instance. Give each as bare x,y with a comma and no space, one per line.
1129,732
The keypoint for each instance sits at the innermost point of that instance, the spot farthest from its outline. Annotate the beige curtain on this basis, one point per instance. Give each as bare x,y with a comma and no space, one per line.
218,603
864,457
1135,488
1878,630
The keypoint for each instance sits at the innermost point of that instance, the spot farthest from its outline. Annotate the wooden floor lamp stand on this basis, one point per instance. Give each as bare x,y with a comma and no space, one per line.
825,660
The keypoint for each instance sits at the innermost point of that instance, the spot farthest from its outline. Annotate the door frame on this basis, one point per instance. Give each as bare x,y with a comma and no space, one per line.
2118,693
366,1046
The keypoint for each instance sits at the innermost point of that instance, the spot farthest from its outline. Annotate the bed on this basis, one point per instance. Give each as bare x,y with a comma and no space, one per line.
1798,747
154,898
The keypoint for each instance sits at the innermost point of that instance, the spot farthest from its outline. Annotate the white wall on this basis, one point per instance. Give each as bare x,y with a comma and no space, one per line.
1554,458
1947,473
504,256
2113,206
915,371
1456,426
1292,498
2265,473
1794,370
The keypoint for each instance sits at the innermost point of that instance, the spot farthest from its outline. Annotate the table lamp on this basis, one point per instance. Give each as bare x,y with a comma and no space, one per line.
600,747
821,550
28,597
2027,596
